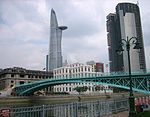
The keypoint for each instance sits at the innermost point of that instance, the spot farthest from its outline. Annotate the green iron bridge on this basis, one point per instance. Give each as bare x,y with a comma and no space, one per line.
141,82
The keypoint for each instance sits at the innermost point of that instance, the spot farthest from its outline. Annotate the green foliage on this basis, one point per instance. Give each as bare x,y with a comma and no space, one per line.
81,89
118,90
143,114
98,88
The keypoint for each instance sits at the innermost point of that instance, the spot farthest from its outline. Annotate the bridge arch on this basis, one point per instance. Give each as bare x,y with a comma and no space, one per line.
141,83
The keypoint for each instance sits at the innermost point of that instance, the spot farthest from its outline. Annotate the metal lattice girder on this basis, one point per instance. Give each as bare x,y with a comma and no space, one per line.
141,82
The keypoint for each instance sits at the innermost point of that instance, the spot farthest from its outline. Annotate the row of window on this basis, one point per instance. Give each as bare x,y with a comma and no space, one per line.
3,76
74,70
29,76
78,75
76,84
69,89
76,65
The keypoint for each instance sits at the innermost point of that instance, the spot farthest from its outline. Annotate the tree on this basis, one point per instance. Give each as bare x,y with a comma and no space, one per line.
100,87
81,89
97,88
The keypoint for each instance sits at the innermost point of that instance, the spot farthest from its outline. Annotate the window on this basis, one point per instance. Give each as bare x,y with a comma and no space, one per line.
69,88
81,68
89,88
21,82
92,88
12,75
21,75
11,86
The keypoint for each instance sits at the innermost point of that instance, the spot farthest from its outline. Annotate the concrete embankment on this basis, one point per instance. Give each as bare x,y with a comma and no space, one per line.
54,99
50,99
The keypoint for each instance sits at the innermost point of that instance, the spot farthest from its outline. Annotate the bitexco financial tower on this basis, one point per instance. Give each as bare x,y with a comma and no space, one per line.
54,58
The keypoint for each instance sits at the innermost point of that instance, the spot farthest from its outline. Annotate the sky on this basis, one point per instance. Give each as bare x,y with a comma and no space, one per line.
25,30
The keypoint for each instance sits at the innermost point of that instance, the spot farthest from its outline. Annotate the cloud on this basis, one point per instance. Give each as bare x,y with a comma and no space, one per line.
21,55
23,35
24,30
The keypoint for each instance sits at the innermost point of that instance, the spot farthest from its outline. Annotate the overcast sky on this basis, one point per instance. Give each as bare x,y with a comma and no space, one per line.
24,30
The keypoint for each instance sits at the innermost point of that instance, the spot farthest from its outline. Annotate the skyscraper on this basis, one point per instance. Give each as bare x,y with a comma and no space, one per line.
55,52
125,22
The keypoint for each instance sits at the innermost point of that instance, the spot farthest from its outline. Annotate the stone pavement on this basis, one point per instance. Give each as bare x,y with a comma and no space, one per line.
121,114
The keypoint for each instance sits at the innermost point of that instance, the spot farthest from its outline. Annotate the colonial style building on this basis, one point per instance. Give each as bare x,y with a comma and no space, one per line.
10,77
77,70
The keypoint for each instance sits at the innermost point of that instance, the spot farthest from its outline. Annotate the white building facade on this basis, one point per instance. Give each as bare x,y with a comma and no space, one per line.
78,70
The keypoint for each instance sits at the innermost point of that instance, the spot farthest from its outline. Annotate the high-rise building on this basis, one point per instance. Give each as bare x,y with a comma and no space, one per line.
55,52
125,23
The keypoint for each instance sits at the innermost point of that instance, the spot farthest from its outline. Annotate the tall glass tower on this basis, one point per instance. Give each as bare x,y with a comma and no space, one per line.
125,22
55,52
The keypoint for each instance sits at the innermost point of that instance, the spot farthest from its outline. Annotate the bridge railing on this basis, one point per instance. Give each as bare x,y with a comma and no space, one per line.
81,109
100,74
92,75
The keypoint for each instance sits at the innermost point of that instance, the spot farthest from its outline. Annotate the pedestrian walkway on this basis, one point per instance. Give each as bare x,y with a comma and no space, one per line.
121,114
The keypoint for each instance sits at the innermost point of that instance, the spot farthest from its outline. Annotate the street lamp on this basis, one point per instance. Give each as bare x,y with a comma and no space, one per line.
127,44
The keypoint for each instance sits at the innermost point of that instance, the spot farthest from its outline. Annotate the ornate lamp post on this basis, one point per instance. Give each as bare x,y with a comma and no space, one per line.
127,44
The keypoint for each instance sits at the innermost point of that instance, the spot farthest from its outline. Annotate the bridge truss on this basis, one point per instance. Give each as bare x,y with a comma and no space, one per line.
141,83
